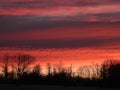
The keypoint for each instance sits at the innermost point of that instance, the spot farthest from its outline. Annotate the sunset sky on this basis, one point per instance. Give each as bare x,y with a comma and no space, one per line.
74,31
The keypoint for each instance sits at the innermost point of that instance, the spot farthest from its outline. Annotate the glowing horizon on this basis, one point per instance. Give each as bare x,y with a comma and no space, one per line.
76,56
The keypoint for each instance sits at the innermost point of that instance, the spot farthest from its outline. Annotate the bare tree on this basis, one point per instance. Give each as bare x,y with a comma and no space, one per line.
96,71
5,64
80,71
37,70
85,71
110,69
60,72
70,71
49,69
58,67
22,62
12,73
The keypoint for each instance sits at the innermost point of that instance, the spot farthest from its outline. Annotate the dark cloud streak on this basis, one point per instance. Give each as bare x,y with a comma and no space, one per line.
62,43
34,22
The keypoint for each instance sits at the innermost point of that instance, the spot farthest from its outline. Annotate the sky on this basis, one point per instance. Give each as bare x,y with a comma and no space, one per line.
61,25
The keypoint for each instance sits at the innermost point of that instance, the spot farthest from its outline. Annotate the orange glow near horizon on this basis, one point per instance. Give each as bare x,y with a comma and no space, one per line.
76,57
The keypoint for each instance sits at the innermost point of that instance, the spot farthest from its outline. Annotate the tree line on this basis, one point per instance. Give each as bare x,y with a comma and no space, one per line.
19,68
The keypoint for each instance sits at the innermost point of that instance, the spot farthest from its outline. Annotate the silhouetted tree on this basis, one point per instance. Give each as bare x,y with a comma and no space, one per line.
85,71
95,69
59,72
69,71
37,70
22,62
58,67
12,73
49,69
110,70
5,64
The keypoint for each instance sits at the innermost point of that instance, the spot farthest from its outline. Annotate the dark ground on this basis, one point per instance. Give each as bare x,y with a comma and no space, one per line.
46,87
